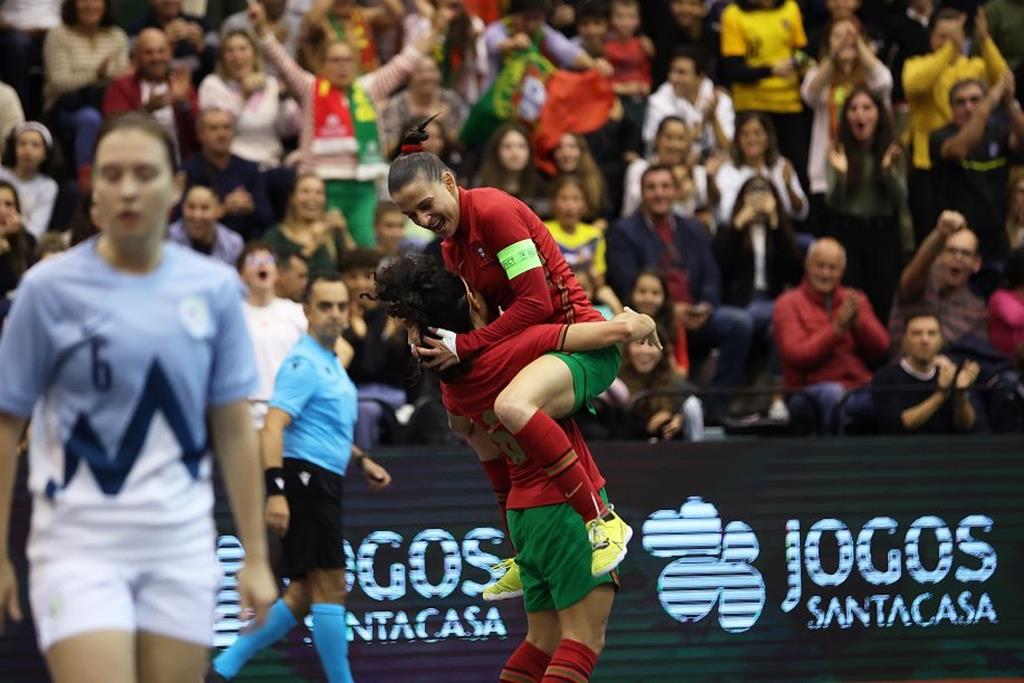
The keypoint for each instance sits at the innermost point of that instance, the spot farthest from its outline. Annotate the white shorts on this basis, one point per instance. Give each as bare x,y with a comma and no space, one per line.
76,595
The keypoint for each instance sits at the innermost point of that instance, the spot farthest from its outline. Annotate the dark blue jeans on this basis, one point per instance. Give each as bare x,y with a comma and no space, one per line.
85,123
729,329
827,395
20,55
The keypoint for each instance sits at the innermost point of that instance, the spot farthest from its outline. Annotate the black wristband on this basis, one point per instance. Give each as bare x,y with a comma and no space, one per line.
273,479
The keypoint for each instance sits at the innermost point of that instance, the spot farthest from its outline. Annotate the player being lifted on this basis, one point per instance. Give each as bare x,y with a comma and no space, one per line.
504,252
567,607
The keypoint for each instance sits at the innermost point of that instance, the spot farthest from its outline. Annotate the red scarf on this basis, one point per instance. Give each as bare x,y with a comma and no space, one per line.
332,120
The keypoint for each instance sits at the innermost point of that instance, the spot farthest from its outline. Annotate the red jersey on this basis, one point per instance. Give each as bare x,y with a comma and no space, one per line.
629,59
490,222
473,396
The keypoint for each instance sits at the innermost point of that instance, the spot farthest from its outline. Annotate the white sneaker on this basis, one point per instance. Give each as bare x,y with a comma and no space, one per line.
778,411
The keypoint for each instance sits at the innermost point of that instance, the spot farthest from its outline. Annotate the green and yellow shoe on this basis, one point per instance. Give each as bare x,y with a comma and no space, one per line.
508,586
608,539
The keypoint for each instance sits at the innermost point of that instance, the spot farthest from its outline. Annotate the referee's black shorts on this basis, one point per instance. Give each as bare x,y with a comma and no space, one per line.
314,539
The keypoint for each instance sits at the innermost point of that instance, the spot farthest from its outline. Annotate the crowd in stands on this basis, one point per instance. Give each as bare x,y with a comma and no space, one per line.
821,202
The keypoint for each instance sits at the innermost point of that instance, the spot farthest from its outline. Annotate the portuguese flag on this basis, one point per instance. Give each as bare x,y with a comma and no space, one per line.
546,100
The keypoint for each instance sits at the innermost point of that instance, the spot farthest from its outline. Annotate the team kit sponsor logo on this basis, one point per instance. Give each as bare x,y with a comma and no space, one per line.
715,566
925,573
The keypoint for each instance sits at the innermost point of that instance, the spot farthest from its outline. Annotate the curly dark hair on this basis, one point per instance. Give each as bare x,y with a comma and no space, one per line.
418,290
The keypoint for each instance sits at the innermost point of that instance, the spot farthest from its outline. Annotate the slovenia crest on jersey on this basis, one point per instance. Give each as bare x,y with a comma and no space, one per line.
195,316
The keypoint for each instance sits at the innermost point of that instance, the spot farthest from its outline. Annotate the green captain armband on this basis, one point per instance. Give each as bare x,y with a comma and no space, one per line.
518,258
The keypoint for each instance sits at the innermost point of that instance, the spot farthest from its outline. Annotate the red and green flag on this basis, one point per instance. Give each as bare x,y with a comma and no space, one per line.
547,101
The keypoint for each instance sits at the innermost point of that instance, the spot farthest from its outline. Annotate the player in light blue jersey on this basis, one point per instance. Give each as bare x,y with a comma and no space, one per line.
307,443
121,350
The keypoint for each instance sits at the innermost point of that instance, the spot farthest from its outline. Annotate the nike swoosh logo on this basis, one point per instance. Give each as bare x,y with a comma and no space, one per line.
573,492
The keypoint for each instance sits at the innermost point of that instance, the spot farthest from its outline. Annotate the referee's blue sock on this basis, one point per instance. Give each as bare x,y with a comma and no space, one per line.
330,635
279,621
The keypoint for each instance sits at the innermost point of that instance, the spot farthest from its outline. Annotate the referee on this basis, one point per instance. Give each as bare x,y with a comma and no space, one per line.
307,442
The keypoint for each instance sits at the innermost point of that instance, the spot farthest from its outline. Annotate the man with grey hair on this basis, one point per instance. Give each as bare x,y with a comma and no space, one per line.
826,336
239,184
970,169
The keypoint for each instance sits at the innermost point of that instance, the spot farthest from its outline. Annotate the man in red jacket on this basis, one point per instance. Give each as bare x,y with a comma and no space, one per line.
826,335
155,89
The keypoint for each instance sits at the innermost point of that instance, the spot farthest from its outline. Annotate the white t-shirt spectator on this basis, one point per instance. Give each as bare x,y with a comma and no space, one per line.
664,102
261,119
274,329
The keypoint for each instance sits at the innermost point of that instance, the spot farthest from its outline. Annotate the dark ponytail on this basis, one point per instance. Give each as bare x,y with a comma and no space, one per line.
413,162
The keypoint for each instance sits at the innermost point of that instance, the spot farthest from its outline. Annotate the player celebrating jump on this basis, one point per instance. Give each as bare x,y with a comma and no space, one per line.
504,251
567,607
121,350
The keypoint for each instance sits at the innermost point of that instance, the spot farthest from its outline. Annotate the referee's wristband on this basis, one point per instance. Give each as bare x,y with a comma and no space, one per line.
273,479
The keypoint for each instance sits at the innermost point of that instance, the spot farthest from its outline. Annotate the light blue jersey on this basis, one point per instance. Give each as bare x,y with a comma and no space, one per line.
118,371
314,389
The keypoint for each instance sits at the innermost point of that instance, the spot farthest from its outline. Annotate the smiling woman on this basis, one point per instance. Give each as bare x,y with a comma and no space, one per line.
505,252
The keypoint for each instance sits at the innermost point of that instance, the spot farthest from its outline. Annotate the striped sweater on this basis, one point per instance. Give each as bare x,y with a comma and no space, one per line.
72,58
378,84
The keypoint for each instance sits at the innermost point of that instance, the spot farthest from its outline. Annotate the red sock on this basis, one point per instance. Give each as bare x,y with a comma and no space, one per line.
501,482
545,441
572,662
526,665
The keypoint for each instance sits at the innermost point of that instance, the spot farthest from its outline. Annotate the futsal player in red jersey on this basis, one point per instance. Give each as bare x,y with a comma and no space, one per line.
505,252
567,607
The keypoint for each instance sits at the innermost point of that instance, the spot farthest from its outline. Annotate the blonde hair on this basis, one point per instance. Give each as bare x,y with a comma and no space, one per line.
257,56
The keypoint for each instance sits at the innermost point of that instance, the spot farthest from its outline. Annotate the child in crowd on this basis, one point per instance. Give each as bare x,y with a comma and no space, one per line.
649,295
658,417
582,244
573,156
629,52
26,166
602,297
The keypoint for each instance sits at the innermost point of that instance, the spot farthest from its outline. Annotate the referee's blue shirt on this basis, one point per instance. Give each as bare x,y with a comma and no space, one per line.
314,389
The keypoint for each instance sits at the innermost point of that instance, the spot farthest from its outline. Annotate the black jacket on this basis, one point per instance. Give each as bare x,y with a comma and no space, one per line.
735,259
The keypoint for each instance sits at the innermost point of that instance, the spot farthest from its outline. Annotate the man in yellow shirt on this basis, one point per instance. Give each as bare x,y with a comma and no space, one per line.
927,80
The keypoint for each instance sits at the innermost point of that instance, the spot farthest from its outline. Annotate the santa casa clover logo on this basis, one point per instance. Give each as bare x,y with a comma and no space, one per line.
713,567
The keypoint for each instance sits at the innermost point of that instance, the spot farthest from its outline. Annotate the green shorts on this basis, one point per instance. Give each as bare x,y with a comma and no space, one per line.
592,373
553,554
